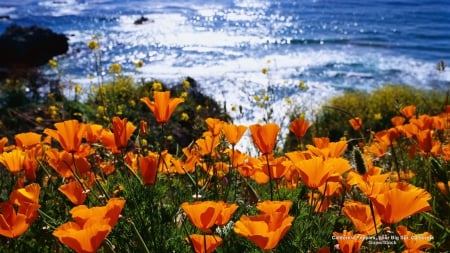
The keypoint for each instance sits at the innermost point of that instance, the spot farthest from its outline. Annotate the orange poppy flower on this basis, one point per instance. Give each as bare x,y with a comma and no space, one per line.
169,164
265,230
414,242
331,189
423,122
3,142
220,169
108,214
86,237
250,166
31,161
297,156
192,157
143,128
338,166
264,136
387,136
13,224
63,163
93,132
404,175
13,160
443,188
199,241
299,127
426,142
377,148
397,120
226,213
233,133
203,214
74,192
408,111
207,143
278,168
413,200
131,159
356,123
122,131
108,140
27,194
237,158
163,106
349,242
328,149
321,142
27,140
68,133
313,171
214,125
149,168
361,217
268,206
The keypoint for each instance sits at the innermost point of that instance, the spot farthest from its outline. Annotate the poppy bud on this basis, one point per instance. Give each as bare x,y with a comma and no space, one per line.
359,161
143,128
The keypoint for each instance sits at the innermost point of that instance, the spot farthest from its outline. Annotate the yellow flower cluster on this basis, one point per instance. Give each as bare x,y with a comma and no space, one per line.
115,68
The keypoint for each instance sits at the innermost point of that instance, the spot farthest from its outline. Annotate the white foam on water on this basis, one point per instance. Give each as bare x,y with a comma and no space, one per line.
64,7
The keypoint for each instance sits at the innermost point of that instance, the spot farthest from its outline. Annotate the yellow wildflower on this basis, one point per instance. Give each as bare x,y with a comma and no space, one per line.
53,111
39,119
302,85
93,45
198,108
77,89
120,109
169,137
186,84
115,68
183,95
53,64
101,110
132,103
184,116
377,116
138,64
101,90
157,86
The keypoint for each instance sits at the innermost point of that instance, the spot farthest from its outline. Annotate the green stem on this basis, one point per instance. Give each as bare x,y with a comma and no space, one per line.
372,211
141,240
270,177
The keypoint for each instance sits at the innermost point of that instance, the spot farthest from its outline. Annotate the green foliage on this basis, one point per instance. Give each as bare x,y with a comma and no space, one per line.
375,108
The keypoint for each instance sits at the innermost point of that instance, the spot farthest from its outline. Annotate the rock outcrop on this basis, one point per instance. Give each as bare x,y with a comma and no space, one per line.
27,47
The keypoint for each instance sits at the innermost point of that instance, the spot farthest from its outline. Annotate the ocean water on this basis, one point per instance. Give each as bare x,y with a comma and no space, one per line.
331,45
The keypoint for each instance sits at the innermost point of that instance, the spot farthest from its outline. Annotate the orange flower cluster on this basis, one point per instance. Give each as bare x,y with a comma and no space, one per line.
83,156
14,223
204,215
267,228
70,160
90,226
423,131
